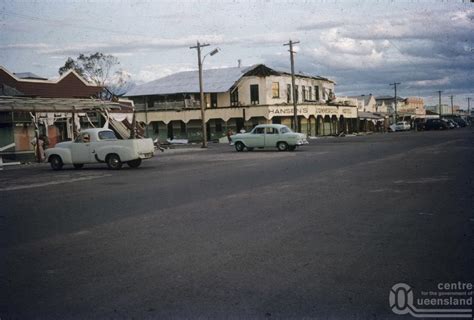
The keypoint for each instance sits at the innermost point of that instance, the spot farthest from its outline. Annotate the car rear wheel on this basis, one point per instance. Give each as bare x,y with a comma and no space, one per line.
134,163
282,146
113,162
239,146
78,165
56,162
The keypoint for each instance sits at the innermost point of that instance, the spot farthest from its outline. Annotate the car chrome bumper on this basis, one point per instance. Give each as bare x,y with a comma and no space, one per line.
302,142
146,155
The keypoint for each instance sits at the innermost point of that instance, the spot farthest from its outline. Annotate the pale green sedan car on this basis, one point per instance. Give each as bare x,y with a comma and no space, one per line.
269,136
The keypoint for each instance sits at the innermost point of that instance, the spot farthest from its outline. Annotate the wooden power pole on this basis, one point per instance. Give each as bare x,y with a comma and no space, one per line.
294,93
198,46
439,104
395,87
452,106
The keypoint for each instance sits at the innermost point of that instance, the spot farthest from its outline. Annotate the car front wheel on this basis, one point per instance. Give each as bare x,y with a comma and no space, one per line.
239,146
282,146
113,161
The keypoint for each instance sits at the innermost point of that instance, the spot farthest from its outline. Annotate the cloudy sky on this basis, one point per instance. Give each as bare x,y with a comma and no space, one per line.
362,45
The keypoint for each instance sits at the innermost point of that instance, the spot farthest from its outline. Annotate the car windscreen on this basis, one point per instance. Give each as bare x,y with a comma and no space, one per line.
107,135
285,130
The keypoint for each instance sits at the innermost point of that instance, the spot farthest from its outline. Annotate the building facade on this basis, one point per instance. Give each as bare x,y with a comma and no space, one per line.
32,107
236,99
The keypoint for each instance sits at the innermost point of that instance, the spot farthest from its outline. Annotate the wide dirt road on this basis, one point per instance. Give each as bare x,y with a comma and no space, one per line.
323,232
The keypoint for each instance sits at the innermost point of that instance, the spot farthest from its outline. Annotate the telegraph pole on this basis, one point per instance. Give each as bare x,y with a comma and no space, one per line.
452,106
198,46
439,104
295,109
395,87
469,108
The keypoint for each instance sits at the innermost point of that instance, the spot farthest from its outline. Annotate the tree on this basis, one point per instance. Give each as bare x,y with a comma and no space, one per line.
100,69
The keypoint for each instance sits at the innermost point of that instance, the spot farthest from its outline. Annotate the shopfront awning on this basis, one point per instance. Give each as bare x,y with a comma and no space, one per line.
29,104
370,116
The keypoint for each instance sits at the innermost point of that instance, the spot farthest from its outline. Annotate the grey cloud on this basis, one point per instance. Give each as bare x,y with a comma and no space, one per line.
319,25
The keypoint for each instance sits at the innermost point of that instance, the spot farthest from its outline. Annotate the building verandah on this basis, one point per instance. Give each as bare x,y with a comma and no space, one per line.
313,120
25,119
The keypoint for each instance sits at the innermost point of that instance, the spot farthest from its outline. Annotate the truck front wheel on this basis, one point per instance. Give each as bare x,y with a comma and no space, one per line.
113,162
134,163
56,162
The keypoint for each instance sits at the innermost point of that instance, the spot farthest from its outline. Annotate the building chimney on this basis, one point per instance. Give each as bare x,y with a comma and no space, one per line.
239,62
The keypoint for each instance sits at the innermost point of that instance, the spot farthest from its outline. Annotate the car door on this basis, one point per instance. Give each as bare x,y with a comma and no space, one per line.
271,137
256,138
80,149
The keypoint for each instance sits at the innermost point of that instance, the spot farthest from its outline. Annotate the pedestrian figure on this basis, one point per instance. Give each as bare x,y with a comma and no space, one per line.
158,146
229,133
39,145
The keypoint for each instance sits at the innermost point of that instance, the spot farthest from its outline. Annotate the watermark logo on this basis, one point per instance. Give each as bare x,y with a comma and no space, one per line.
448,300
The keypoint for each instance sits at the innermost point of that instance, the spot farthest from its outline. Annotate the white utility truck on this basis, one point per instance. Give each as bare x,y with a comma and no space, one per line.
100,146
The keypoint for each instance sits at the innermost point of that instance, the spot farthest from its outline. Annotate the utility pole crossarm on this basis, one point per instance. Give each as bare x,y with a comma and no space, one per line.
200,46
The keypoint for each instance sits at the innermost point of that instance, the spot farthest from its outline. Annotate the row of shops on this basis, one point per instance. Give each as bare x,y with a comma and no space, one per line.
24,120
235,99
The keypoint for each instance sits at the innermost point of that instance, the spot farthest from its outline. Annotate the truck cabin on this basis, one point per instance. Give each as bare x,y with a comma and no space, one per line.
93,135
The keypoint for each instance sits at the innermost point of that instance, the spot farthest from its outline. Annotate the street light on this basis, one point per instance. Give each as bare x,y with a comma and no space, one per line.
201,92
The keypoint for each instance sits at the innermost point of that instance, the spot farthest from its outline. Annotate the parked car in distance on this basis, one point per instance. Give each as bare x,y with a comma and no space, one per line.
435,124
100,146
269,136
461,122
456,125
402,126
450,123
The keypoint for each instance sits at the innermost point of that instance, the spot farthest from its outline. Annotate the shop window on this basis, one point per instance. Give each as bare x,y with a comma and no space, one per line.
275,90
234,97
213,100
254,97
218,126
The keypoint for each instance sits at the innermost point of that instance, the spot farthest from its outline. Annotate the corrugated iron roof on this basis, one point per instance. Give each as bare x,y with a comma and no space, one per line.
214,81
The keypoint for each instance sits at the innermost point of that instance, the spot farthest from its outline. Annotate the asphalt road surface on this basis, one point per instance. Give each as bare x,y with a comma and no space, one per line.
323,232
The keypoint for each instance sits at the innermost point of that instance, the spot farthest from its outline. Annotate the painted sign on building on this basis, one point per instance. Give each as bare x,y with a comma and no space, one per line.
312,110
